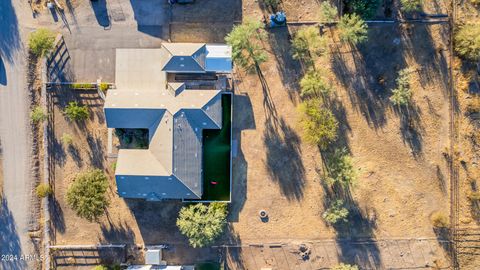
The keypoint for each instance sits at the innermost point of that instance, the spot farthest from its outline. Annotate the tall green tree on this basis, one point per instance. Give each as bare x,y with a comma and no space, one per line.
467,41
41,41
308,43
202,223
314,85
87,194
402,94
353,29
328,12
246,41
337,212
411,5
319,124
340,168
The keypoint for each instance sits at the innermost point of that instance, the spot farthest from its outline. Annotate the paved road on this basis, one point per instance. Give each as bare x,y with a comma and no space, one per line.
14,136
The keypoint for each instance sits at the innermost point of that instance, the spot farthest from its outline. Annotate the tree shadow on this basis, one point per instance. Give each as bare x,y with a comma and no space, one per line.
96,153
58,219
241,121
75,154
115,233
233,257
10,41
58,151
411,128
150,16
101,12
290,69
10,240
3,73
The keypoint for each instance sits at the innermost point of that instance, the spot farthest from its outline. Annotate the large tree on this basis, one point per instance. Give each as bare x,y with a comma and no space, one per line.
87,194
353,29
340,168
246,41
314,85
411,5
319,124
308,43
202,223
467,41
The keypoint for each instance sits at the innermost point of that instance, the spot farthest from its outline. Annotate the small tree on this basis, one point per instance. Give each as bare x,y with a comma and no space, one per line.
202,223
328,12
43,190
402,94
319,123
308,43
340,168
246,39
344,266
467,41
76,112
411,5
67,139
364,8
41,41
439,220
38,115
87,194
336,213
353,29
313,85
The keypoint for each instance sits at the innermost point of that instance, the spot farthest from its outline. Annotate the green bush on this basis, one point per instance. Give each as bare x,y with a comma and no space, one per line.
104,87
328,12
75,112
340,168
41,41
67,139
336,213
308,43
411,5
353,29
343,266
319,123
38,115
402,94
314,85
43,190
202,223
246,41
467,41
87,194
364,8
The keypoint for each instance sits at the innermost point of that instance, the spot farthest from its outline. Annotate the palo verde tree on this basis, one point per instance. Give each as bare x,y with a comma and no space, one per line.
319,124
340,168
344,266
328,12
246,41
41,41
402,94
307,43
353,29
76,112
87,194
314,85
202,223
337,212
411,5
467,41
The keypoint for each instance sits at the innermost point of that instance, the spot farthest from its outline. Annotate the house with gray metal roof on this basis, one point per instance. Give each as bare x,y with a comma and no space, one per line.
174,92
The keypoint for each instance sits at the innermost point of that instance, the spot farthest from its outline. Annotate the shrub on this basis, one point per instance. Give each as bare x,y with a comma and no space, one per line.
328,12
364,8
43,190
313,85
340,168
76,112
439,220
344,266
336,213
104,87
319,123
402,94
41,41
82,86
411,5
245,39
38,115
201,223
87,194
467,41
353,29
308,43
67,139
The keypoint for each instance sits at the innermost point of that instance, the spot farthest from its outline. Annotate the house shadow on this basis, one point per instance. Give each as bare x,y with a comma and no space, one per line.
9,237
10,41
101,12
241,121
